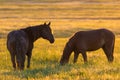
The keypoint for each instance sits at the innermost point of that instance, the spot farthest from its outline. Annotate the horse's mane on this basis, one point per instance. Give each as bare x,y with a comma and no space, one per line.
32,32
29,33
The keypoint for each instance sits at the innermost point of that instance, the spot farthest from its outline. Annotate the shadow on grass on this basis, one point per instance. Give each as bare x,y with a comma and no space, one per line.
109,71
41,70
44,69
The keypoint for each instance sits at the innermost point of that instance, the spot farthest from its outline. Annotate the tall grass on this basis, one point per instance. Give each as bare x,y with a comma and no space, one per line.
45,64
67,18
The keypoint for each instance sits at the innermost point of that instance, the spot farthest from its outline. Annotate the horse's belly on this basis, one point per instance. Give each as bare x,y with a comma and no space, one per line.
94,46
93,49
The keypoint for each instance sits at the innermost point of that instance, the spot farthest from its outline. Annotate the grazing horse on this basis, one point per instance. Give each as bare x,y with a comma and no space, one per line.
83,41
20,43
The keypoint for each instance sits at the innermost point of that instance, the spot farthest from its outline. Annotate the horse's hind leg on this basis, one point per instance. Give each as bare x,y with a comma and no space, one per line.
13,60
84,56
108,49
23,61
76,54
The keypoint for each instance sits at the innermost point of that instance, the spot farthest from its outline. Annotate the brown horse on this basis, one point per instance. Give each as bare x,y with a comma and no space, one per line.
89,41
20,42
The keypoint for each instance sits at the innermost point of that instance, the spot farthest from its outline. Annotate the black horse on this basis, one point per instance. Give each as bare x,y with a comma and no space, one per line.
91,40
20,42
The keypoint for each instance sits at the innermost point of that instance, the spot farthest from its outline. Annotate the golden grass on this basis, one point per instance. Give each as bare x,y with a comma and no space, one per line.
67,18
45,64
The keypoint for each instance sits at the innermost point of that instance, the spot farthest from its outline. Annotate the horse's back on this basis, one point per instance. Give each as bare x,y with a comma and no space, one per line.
93,39
16,35
99,33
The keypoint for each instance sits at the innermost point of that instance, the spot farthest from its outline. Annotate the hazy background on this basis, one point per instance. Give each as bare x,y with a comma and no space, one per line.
66,16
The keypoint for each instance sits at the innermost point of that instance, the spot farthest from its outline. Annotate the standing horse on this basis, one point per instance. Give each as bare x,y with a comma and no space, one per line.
20,43
89,41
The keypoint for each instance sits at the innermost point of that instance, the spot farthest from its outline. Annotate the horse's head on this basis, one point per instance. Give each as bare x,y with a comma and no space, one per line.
47,33
63,61
66,54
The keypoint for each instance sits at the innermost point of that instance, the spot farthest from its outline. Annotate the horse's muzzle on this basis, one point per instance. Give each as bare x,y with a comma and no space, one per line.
52,41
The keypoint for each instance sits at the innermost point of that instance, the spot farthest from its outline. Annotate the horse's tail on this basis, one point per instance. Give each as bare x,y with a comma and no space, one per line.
113,43
20,50
20,53
18,47
112,49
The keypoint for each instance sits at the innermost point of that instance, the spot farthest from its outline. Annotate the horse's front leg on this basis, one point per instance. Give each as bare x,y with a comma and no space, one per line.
29,54
76,54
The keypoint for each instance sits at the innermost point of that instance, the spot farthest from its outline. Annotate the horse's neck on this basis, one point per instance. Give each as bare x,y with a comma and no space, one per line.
32,33
36,33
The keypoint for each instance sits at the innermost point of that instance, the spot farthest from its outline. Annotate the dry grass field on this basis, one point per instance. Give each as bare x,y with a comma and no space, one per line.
67,17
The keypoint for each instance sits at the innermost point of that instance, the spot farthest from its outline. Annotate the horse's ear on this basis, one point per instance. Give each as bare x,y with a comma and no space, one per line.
49,23
45,23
